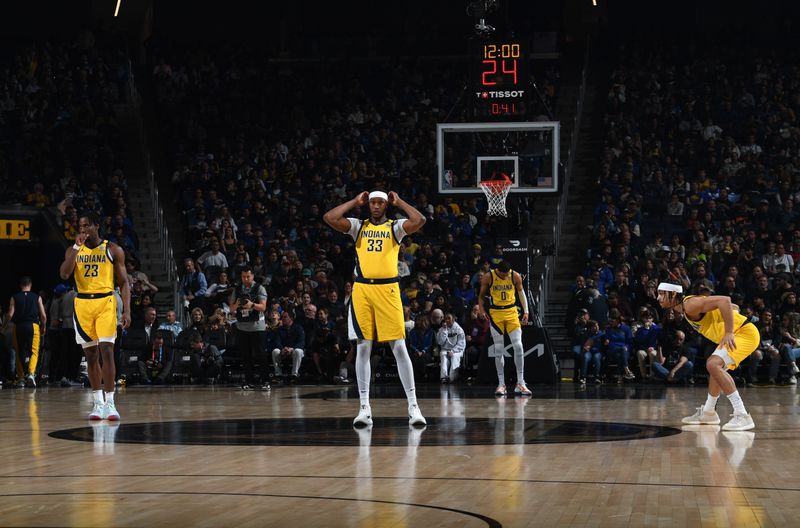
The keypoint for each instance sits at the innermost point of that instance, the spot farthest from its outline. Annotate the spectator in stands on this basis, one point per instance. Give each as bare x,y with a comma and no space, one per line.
476,331
291,339
675,364
790,342
218,293
172,324
193,285
149,323
452,343
325,346
420,345
207,361
645,342
197,322
618,341
770,340
135,276
591,351
213,258
155,366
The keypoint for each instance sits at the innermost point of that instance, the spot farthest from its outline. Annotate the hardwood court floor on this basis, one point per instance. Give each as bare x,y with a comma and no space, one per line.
193,456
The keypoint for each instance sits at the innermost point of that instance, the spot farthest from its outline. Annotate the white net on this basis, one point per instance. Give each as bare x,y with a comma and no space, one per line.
496,192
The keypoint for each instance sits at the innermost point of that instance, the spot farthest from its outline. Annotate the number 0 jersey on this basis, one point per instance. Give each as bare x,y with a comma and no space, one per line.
94,269
377,247
502,291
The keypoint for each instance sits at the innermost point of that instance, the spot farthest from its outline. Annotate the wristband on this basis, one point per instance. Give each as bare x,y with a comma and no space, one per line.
76,247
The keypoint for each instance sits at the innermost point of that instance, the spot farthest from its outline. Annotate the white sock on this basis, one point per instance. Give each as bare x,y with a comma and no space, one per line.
711,403
98,395
363,350
519,354
109,397
736,401
405,369
499,357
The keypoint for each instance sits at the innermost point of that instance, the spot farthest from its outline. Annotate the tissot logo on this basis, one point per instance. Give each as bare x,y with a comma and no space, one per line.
500,94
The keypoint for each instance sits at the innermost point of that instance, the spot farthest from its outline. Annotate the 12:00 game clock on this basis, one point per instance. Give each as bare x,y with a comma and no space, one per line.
499,77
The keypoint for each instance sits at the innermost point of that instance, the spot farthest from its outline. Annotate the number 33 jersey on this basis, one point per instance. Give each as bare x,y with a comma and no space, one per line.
377,247
94,269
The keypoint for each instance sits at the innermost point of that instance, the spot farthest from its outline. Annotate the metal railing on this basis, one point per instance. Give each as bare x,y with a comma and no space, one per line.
546,278
165,246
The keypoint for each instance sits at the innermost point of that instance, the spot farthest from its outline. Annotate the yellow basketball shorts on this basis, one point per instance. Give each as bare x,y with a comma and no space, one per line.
747,340
504,321
376,312
95,320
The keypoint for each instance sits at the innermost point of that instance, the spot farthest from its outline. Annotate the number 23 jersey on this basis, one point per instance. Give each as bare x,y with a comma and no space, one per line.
94,269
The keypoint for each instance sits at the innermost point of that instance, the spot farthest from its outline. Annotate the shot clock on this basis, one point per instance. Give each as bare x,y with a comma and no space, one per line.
500,78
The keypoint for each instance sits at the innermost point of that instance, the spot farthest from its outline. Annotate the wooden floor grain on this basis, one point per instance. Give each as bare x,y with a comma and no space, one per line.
700,477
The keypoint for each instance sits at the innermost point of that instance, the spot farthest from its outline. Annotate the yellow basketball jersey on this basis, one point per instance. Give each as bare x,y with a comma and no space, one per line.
712,326
502,291
94,269
376,250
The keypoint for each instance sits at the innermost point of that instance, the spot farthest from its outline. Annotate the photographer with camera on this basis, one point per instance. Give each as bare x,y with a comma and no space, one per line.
249,302
207,360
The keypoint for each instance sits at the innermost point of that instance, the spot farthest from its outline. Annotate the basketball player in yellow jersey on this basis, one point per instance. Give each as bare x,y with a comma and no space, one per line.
502,284
375,310
94,263
718,320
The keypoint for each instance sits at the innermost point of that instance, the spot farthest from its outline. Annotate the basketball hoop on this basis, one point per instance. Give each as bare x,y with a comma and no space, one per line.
496,192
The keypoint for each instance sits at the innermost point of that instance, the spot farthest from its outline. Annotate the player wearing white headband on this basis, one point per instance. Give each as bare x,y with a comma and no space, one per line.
375,309
718,320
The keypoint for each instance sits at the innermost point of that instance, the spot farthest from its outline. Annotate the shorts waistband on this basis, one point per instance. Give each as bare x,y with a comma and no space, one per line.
390,280
503,307
93,295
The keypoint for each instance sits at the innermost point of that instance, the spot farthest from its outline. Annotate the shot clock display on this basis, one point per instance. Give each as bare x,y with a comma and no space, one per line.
499,78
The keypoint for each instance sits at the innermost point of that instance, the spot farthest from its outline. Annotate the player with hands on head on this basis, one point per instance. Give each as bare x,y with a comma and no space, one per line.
375,308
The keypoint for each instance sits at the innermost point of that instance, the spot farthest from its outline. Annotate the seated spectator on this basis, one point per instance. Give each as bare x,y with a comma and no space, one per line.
172,324
218,293
591,350
770,340
324,346
452,343
618,341
477,335
193,285
155,365
790,343
291,339
675,365
137,277
213,258
420,344
149,322
207,360
577,331
197,321
645,342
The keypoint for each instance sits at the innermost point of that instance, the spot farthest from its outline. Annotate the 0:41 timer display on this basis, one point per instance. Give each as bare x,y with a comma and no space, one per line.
500,78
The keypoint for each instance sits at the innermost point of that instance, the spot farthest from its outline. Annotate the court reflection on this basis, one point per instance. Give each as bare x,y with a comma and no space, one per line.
514,429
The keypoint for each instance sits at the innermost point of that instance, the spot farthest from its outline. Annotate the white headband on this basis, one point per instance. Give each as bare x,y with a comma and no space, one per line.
379,194
668,286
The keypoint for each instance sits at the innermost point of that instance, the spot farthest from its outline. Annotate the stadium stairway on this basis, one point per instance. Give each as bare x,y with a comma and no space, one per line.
571,259
152,261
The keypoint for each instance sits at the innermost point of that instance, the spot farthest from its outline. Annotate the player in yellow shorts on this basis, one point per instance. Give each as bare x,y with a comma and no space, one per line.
718,320
375,310
95,263
503,286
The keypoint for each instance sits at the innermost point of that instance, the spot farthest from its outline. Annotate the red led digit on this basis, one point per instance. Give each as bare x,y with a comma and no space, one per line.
513,70
484,75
